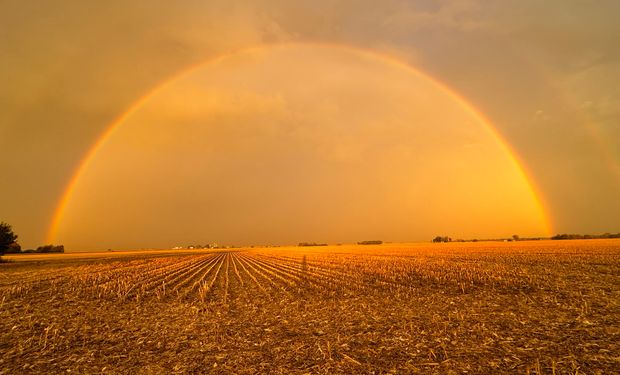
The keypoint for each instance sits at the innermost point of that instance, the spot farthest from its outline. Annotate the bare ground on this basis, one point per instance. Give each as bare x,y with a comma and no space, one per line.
528,307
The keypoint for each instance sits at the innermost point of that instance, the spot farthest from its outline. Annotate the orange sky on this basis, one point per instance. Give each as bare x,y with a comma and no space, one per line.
307,142
303,141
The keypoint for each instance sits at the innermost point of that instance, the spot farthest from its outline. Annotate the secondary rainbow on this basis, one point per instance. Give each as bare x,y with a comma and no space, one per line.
388,59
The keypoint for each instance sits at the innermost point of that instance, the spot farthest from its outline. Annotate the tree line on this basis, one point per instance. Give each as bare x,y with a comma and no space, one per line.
9,244
566,236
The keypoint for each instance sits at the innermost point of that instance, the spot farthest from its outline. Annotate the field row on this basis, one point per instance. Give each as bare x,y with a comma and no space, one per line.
544,308
225,276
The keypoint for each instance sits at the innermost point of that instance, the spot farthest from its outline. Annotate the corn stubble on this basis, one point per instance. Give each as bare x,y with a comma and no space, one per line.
530,308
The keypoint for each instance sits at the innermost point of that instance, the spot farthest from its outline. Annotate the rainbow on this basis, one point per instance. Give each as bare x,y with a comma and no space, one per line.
385,58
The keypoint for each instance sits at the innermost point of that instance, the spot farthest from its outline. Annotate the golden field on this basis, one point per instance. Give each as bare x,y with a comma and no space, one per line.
540,307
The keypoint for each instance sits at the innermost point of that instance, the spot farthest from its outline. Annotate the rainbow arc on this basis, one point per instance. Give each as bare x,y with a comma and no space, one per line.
387,59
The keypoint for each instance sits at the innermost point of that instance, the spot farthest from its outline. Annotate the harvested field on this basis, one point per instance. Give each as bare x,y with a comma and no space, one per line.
542,307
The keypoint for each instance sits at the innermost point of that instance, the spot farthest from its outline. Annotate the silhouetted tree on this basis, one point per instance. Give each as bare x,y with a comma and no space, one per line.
14,248
50,249
7,237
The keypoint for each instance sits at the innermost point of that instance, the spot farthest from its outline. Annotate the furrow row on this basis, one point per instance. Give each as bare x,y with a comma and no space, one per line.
181,283
253,268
